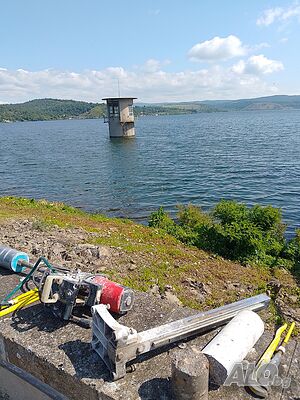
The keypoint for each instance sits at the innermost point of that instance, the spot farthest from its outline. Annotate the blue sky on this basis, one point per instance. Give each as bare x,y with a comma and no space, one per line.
159,50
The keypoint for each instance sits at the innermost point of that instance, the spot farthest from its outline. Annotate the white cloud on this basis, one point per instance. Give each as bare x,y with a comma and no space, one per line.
280,14
150,83
269,16
259,46
154,11
217,49
153,65
257,65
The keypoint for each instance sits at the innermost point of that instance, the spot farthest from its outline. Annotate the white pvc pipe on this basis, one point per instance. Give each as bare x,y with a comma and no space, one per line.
232,344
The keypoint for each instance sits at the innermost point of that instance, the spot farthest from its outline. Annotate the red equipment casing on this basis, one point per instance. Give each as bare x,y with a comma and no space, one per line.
118,297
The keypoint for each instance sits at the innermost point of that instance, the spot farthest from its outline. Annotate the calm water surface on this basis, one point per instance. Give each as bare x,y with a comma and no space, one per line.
248,156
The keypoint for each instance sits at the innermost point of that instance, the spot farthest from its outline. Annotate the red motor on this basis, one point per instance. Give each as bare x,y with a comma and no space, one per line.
119,298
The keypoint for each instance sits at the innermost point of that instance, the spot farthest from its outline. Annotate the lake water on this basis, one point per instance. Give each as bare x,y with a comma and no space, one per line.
248,156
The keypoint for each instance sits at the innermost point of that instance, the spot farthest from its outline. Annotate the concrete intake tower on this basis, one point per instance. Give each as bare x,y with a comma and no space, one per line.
120,116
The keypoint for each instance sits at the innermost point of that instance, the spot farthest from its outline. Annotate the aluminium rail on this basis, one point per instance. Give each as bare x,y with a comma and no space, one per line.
118,344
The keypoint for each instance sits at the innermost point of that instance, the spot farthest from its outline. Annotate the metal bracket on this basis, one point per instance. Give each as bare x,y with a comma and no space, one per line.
117,344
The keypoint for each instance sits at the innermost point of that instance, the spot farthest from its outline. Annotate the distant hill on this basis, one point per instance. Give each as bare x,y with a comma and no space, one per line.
49,109
173,108
279,102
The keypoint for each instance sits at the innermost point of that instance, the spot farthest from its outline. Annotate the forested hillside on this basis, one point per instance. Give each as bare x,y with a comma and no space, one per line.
278,102
48,109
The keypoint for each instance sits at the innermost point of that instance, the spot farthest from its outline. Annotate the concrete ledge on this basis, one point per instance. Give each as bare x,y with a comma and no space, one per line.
18,384
59,354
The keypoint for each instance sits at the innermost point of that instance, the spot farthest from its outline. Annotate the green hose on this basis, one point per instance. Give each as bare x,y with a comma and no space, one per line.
20,285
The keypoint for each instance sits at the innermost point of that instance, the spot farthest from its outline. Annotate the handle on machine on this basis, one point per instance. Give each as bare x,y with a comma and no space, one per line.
46,292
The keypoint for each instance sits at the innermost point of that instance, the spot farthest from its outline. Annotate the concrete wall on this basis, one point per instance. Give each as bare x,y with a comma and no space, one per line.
115,128
124,110
123,124
16,384
128,129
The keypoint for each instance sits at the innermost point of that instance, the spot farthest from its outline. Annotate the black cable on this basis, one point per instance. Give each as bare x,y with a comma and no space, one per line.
288,371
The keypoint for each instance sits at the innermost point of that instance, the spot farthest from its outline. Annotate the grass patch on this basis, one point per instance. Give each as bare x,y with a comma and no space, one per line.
159,257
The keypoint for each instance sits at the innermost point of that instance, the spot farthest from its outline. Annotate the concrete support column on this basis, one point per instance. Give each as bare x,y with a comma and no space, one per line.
190,374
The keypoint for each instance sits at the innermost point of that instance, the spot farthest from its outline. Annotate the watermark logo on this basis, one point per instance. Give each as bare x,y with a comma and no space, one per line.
246,374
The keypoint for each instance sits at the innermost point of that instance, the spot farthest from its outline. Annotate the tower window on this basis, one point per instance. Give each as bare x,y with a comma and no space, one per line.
114,110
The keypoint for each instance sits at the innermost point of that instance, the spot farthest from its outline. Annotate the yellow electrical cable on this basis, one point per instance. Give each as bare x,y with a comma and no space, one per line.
20,301
266,357
288,335
31,299
20,297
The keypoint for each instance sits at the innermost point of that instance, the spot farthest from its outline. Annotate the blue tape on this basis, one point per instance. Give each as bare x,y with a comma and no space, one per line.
14,262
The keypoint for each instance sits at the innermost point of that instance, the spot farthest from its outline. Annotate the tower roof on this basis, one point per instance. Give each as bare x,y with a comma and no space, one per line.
119,98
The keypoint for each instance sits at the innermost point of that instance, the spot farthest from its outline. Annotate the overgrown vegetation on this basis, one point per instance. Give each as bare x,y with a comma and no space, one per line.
250,235
141,257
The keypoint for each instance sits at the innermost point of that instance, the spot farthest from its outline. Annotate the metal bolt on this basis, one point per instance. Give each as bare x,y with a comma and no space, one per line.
131,368
128,301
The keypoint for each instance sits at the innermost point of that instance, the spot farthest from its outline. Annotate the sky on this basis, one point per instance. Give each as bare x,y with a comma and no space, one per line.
156,50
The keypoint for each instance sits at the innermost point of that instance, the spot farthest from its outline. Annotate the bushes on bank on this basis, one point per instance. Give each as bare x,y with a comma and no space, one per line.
235,231
161,219
292,252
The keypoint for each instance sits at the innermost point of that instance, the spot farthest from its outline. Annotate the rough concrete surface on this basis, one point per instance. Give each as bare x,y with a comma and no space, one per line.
190,374
60,353
15,383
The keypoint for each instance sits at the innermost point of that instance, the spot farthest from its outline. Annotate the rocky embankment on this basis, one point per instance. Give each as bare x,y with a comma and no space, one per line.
140,257
158,265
